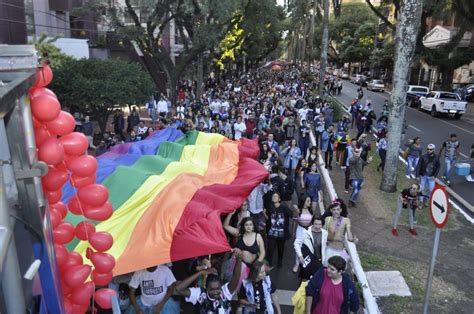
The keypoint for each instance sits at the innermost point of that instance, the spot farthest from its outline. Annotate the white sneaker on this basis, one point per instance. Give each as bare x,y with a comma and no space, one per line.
407,176
413,176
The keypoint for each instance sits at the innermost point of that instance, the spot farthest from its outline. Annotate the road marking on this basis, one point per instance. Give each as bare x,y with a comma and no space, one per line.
416,129
466,215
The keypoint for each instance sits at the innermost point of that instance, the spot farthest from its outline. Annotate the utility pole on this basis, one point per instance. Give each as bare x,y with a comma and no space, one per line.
324,46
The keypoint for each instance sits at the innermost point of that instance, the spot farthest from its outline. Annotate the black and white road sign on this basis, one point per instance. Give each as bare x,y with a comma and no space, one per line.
439,206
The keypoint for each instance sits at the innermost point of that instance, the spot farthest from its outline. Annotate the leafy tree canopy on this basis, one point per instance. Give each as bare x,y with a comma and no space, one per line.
99,86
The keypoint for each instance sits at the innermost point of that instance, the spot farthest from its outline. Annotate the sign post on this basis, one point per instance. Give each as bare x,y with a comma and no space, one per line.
439,214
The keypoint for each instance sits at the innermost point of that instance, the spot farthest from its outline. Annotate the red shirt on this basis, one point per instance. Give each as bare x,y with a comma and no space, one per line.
331,297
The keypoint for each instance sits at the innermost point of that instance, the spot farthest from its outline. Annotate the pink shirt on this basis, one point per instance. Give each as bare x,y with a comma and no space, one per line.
331,297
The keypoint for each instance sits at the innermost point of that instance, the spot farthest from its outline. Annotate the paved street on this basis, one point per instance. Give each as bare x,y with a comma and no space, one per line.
431,130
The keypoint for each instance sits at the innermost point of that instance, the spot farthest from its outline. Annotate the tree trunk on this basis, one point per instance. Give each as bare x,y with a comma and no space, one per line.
200,75
101,117
405,42
447,74
324,46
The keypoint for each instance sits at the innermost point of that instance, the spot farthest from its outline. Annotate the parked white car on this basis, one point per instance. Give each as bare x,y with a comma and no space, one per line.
376,85
439,102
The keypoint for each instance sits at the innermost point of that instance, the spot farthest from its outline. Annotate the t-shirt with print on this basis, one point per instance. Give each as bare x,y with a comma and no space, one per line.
279,221
210,306
154,285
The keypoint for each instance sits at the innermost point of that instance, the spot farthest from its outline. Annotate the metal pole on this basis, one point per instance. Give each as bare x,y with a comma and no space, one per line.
430,273
11,281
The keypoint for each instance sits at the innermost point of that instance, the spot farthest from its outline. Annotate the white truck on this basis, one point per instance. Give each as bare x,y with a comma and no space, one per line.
438,102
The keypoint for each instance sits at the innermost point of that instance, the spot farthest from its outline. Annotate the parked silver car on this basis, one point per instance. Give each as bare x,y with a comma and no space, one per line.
376,85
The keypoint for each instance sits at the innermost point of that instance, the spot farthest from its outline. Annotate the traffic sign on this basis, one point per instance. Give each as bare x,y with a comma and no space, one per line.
439,206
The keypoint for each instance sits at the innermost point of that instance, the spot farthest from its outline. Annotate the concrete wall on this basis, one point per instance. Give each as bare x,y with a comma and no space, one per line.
54,23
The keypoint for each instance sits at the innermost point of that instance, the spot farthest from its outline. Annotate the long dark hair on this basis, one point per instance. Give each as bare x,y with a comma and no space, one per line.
242,223
301,204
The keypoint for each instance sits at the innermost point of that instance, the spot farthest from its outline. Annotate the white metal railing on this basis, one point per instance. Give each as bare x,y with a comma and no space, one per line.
371,306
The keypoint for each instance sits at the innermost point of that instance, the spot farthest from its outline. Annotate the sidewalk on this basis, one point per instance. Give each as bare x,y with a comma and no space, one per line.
371,223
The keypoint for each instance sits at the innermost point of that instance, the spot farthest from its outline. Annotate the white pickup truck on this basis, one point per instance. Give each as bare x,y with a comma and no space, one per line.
443,102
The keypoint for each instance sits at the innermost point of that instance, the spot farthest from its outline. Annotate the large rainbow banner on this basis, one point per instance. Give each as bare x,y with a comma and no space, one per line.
168,193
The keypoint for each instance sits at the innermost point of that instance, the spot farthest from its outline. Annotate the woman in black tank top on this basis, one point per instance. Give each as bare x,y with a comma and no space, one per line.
249,242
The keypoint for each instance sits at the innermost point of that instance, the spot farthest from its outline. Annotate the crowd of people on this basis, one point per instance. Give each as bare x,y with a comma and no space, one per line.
280,111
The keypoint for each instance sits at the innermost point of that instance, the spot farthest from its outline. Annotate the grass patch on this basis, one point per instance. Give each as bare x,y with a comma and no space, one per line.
415,274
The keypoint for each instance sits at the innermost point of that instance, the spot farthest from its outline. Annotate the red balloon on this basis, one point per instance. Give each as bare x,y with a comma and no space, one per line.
76,257
61,254
93,195
99,213
77,275
60,208
37,91
62,125
44,76
79,182
74,143
53,196
82,294
101,241
103,297
67,305
84,230
63,233
55,217
41,135
83,166
36,124
51,151
101,279
103,262
75,206
45,108
54,179
79,308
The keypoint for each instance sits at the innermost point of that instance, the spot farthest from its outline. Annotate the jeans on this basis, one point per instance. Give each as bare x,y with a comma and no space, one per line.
448,162
426,182
356,187
411,216
412,162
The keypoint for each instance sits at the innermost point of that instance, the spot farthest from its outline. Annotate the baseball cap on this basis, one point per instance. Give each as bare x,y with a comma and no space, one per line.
431,146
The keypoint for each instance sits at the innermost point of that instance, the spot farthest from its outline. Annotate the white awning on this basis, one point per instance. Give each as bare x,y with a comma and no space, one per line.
441,35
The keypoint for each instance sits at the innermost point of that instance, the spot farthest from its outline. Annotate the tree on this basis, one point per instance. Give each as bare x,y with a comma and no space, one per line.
99,86
405,42
359,46
324,46
48,51
449,56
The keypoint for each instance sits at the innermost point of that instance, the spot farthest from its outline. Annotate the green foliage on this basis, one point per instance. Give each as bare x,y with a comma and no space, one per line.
49,52
359,46
98,86
382,57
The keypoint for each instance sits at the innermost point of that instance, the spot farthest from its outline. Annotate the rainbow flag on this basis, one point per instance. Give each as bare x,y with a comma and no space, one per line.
168,193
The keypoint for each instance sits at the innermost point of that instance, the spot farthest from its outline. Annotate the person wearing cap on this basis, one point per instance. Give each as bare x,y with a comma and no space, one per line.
451,152
426,171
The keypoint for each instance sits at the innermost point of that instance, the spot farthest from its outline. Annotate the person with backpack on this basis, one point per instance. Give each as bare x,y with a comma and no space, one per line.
451,154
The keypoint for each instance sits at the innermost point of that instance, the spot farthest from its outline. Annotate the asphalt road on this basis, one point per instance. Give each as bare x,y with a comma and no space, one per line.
429,129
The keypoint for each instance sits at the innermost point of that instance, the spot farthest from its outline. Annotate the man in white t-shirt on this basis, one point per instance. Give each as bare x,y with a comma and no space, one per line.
215,106
239,128
303,113
156,287
162,107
